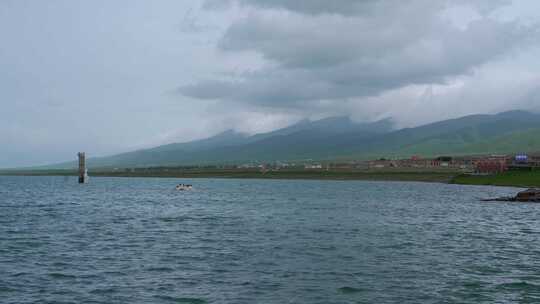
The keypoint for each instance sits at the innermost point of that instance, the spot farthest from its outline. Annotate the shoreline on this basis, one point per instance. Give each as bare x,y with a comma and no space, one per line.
508,179
413,176
284,174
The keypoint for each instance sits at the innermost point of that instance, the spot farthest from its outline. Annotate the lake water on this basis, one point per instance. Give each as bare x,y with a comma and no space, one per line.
263,241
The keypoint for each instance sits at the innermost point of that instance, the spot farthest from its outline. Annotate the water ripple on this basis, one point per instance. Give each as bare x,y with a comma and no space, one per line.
254,241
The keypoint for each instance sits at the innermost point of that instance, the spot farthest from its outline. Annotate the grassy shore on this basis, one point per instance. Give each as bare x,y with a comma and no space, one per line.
511,178
421,176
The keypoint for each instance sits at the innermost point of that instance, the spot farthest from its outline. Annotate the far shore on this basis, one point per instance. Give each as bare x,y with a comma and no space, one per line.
513,179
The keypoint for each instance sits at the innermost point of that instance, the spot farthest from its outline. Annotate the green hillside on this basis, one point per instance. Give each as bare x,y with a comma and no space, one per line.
475,143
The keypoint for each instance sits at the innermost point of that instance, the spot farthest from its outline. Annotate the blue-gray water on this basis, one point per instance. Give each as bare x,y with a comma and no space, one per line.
257,241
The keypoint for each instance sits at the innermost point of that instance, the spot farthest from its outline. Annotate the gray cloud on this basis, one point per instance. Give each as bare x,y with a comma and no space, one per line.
334,57
352,7
345,7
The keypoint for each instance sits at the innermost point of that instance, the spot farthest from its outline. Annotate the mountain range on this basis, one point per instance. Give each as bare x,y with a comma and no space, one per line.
339,138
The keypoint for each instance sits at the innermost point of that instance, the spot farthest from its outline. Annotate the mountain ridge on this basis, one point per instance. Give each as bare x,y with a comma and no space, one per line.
340,138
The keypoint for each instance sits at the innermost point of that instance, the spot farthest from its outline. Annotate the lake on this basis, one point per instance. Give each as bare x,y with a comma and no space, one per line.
137,240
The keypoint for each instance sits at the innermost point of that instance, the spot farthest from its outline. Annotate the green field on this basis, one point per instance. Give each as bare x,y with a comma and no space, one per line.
511,178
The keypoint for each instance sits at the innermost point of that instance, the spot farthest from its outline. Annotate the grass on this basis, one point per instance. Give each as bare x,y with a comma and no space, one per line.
511,178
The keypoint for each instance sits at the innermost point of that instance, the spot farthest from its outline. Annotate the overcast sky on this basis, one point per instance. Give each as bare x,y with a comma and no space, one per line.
107,76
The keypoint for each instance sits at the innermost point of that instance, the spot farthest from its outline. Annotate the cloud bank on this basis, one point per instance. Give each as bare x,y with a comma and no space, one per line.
341,51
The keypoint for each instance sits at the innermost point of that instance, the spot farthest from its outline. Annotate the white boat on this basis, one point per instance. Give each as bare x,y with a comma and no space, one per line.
183,187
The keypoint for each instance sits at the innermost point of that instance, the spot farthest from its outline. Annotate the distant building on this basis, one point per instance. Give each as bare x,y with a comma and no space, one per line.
534,160
525,162
415,158
414,162
382,163
491,166
247,166
521,158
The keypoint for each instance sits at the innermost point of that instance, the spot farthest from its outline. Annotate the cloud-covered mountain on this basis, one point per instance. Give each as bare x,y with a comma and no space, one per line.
340,138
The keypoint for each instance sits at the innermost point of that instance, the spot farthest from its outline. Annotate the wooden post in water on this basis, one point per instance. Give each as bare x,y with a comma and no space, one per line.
82,168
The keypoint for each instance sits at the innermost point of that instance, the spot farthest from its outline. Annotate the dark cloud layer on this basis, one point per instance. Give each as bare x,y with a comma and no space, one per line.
349,53
345,7
351,7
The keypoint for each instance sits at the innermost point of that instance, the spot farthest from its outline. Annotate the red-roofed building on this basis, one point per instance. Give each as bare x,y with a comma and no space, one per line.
491,166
